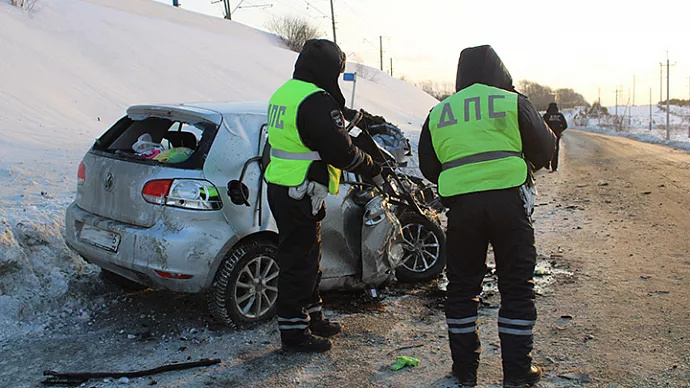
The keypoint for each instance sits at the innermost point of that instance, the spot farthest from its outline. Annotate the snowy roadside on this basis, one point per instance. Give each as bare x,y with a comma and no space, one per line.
39,275
643,137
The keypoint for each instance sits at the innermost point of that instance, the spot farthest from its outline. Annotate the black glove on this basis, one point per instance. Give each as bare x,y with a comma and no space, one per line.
349,113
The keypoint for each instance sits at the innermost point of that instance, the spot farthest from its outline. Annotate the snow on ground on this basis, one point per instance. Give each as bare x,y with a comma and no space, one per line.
634,124
70,70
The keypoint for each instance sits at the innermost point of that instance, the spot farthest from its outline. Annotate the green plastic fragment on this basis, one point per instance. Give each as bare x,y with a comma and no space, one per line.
403,361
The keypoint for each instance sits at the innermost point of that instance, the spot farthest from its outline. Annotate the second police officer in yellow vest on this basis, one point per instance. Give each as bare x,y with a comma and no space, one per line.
479,145
309,148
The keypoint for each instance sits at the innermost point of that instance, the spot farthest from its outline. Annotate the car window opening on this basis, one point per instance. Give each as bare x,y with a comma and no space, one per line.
158,140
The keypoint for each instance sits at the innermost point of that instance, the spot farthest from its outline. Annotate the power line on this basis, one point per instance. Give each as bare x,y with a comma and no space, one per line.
372,44
250,5
289,5
359,17
238,6
316,9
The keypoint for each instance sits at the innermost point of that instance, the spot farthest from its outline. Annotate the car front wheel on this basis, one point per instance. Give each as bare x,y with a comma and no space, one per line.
424,244
245,289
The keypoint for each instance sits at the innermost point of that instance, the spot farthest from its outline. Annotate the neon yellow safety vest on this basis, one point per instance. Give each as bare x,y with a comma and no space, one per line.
476,137
290,158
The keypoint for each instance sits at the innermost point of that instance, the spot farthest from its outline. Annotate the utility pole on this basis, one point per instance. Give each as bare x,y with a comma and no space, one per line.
391,66
599,107
633,96
228,10
629,111
616,103
668,97
616,106
332,21
381,50
661,77
226,5
650,109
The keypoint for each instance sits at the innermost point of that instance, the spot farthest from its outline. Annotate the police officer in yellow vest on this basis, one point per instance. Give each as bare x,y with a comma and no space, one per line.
479,146
309,148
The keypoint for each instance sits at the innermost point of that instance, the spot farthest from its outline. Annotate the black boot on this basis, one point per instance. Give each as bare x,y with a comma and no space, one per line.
323,327
465,349
302,341
465,378
528,379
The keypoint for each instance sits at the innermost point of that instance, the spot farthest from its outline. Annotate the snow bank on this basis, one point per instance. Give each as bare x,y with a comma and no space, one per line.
37,273
71,69
634,124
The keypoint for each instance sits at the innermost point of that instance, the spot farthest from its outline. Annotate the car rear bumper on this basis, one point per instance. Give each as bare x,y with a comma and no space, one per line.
194,248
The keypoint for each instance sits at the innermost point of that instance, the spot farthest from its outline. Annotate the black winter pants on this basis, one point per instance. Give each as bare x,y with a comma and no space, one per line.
554,160
299,257
474,221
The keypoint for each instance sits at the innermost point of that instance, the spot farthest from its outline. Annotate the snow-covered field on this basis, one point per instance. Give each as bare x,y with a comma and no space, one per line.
70,70
634,124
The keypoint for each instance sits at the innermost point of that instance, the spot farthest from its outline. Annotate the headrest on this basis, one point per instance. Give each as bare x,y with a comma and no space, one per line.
181,139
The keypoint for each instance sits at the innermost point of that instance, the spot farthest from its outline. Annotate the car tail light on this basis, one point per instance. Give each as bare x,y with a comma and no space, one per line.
170,275
193,194
156,191
81,174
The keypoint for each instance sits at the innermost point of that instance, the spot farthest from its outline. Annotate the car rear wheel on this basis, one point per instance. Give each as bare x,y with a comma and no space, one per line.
245,289
424,245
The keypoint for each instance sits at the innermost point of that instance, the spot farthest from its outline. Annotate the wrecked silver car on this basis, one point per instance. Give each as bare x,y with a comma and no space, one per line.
152,207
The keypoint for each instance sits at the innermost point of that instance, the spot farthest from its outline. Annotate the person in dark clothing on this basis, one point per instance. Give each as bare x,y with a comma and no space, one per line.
480,146
309,148
558,124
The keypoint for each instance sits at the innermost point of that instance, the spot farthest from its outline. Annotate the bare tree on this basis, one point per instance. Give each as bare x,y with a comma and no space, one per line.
361,69
293,30
439,91
540,96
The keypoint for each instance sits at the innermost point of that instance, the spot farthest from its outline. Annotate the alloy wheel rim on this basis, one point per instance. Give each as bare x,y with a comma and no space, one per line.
422,248
256,289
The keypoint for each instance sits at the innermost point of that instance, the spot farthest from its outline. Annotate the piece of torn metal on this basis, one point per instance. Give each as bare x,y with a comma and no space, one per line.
77,378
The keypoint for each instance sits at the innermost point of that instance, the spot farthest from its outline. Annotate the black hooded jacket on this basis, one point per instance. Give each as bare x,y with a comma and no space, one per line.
555,119
482,65
320,120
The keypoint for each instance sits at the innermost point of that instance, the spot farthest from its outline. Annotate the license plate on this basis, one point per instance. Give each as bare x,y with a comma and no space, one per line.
99,237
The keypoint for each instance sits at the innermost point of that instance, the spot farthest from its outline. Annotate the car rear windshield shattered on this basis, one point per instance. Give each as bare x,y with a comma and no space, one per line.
159,141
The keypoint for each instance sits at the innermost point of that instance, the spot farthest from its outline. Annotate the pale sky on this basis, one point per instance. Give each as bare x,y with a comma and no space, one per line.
583,45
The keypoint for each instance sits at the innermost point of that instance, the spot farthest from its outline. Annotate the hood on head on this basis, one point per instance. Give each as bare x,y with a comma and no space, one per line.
482,65
553,108
321,62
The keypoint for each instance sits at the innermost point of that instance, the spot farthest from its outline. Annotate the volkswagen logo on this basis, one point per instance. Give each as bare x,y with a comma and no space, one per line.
108,181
